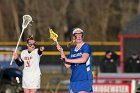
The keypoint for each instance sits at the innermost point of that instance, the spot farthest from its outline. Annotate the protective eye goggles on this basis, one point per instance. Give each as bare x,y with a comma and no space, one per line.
78,34
31,44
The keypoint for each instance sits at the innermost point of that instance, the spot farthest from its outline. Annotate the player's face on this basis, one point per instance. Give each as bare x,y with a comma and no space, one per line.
109,55
78,37
31,45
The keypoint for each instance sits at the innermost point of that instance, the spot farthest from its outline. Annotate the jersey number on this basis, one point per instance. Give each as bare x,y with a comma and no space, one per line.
27,63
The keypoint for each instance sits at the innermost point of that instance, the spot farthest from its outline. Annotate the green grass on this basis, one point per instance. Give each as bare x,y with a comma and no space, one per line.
51,81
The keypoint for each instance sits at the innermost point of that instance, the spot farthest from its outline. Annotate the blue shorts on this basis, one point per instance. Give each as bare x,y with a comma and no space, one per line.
78,86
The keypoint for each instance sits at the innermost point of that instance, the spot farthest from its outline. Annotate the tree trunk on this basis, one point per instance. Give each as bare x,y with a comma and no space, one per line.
16,20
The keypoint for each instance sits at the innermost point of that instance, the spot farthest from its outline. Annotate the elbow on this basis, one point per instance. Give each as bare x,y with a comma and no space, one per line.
67,66
20,64
83,60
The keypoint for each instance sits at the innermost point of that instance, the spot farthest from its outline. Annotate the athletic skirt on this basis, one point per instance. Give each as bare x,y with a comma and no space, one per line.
78,86
31,82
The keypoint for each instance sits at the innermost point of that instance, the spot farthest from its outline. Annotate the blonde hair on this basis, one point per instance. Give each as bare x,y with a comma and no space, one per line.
72,42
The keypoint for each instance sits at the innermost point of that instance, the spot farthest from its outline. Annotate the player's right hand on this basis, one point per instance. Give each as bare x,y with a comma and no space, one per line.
15,55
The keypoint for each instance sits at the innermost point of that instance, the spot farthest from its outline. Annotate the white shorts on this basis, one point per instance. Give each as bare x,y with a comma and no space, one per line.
32,83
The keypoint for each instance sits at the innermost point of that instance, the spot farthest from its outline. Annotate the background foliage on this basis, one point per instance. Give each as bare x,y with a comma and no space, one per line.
102,20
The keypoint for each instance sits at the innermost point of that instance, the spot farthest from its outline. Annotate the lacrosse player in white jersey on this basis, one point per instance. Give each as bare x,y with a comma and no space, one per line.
30,58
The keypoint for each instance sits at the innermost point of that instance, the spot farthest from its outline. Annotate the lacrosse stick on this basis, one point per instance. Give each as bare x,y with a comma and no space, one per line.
26,20
53,36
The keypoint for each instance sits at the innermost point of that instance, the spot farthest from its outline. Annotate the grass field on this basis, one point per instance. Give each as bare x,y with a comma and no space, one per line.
54,81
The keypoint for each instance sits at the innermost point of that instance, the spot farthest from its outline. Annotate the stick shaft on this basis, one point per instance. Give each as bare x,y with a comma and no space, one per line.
57,42
17,44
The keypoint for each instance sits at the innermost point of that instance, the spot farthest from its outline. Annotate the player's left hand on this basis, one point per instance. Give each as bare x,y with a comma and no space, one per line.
59,48
42,48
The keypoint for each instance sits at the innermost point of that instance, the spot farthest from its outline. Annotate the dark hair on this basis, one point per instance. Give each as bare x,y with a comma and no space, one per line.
113,55
108,51
29,38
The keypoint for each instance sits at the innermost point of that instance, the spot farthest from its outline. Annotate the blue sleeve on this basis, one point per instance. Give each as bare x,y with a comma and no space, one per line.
86,49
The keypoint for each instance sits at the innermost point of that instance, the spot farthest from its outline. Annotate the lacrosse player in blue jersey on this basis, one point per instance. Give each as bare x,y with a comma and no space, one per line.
80,61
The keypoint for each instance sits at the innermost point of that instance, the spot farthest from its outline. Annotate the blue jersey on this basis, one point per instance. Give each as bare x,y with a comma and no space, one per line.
81,71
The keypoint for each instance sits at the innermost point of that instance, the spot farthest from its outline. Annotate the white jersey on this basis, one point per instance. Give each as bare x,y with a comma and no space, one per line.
31,69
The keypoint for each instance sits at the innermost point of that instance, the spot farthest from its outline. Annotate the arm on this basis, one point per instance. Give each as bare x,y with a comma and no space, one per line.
18,61
83,59
86,51
63,56
40,50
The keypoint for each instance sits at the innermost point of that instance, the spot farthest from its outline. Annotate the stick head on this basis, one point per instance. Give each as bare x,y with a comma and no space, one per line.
26,20
53,35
